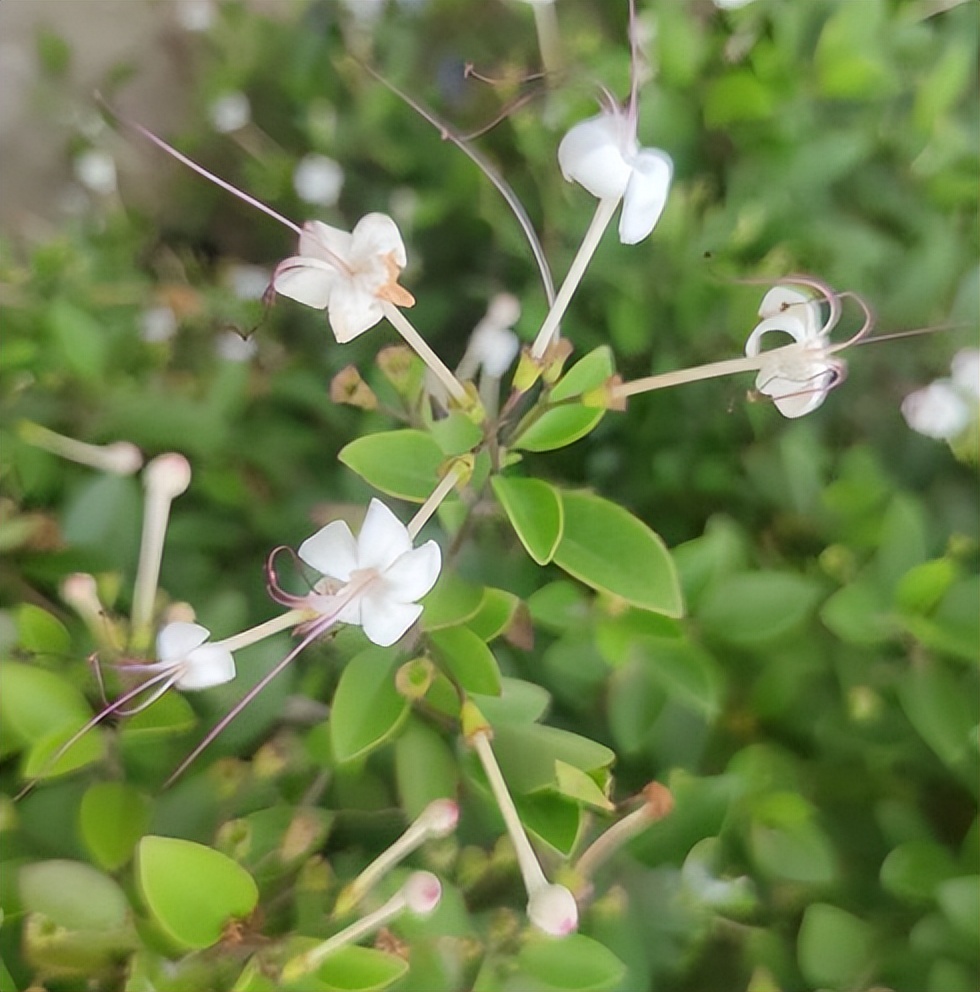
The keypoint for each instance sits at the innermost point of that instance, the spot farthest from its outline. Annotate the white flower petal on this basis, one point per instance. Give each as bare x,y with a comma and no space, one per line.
383,538
309,281
782,299
646,195
787,323
800,395
375,236
353,309
966,371
384,621
937,411
205,667
414,573
332,551
324,242
592,154
176,641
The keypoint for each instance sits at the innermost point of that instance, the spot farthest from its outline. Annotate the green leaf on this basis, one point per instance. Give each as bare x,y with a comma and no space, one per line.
496,614
192,891
913,870
559,427
942,710
81,340
588,373
527,753
518,702
404,463
41,632
959,899
737,96
606,547
367,708
535,512
793,851
574,784
425,767
576,963
833,947
552,819
456,434
49,757
112,818
687,673
73,895
452,602
858,614
356,969
921,588
467,659
756,608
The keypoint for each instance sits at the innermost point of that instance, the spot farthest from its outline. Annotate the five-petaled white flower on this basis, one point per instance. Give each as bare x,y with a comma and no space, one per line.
946,407
799,376
603,155
349,275
375,580
183,651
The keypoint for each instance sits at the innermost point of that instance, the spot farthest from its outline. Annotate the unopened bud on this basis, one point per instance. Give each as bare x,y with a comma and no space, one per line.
659,800
553,910
440,817
122,458
423,892
168,475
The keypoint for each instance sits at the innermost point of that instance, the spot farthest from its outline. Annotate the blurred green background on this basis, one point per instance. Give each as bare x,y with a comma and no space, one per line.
816,713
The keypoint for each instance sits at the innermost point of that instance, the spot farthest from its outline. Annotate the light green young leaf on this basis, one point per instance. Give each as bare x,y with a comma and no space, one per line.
367,708
577,963
403,463
535,511
465,656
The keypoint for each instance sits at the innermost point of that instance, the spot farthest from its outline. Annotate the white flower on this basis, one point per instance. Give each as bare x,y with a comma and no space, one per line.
603,155
230,112
349,275
183,649
195,15
383,575
157,324
96,171
248,282
232,347
965,371
938,411
799,377
493,346
318,179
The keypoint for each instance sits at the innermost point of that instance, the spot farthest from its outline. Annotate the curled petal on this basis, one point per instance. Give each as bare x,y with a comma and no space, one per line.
781,299
383,538
414,573
797,389
385,621
646,195
206,666
326,243
376,235
177,640
787,323
332,551
592,155
309,281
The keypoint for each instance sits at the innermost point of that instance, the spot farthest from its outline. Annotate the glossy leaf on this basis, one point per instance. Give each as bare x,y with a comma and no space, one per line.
192,891
588,373
73,895
453,601
527,753
40,632
403,463
576,963
535,511
467,659
495,615
833,946
518,702
367,708
606,547
559,427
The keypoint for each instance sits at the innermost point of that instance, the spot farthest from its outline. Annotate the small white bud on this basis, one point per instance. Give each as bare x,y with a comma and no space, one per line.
440,817
422,892
169,475
122,458
230,112
96,171
318,179
79,590
553,910
937,411
157,324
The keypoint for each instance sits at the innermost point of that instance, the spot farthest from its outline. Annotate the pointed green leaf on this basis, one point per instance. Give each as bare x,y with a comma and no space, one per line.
559,427
576,963
518,702
496,613
49,757
606,547
35,702
453,601
73,895
404,464
192,891
574,784
112,818
552,819
588,373
834,947
355,969
535,512
40,632
425,767
467,659
367,709
527,753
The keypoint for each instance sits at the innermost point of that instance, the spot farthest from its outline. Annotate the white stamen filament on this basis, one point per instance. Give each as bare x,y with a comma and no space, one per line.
429,507
274,626
415,341
600,221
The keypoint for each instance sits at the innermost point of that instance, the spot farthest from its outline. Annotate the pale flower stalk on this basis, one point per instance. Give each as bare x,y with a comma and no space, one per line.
118,457
550,907
420,895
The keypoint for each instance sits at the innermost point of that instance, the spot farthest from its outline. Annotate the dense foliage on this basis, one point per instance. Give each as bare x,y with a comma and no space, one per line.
814,709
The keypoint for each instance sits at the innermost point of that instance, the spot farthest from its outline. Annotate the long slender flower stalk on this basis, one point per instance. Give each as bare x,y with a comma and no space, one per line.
164,479
420,895
600,221
119,457
417,343
446,484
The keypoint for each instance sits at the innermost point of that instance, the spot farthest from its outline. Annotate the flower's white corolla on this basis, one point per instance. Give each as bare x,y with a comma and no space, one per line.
799,377
349,275
965,371
183,649
493,346
602,155
939,410
318,179
382,575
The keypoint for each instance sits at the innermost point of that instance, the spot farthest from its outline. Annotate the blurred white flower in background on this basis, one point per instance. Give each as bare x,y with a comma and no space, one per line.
195,15
157,324
248,282
947,407
95,169
318,179
232,347
493,346
230,112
